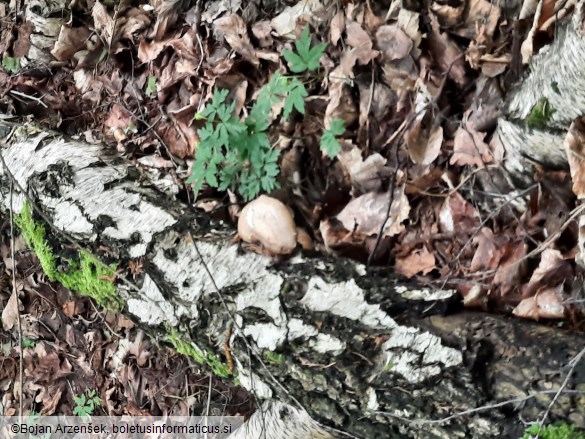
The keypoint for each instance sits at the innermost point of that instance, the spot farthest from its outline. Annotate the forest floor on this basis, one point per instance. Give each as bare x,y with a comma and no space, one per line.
373,124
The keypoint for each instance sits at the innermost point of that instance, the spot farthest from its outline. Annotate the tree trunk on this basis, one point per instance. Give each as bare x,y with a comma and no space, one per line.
360,352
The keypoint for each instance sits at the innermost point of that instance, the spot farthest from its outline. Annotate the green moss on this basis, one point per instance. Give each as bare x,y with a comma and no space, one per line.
87,276
540,115
273,357
559,430
190,350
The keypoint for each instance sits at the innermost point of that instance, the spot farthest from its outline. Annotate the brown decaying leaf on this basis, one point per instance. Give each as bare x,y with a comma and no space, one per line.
419,261
512,269
447,53
365,175
361,44
285,23
575,148
489,250
104,24
552,270
71,39
235,32
366,213
10,312
424,144
167,13
547,304
469,147
341,102
337,27
456,214
393,42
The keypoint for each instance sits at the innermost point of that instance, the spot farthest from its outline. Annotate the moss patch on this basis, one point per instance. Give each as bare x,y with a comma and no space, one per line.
86,276
208,358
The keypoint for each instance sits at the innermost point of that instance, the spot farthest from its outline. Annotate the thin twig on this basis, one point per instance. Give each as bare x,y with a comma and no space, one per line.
573,364
32,98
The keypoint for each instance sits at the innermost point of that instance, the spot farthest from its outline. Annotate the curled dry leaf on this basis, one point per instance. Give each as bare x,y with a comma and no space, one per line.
469,147
424,144
233,29
393,42
337,27
362,45
512,268
575,148
489,251
285,23
341,101
268,222
365,175
457,214
71,40
552,270
366,214
548,304
419,261
10,312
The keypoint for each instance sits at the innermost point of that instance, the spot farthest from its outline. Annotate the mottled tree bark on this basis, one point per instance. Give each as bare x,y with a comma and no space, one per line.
362,353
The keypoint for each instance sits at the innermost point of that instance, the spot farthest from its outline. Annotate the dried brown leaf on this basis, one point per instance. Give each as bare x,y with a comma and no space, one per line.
469,147
234,30
547,304
70,40
575,148
419,261
512,269
424,145
489,251
393,42
456,214
10,312
366,213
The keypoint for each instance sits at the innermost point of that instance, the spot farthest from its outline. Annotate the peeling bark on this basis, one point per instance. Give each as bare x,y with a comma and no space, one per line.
555,75
361,352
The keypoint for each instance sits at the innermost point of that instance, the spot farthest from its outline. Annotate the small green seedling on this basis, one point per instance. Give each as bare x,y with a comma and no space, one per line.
150,86
540,115
559,430
330,146
237,154
28,343
306,57
86,403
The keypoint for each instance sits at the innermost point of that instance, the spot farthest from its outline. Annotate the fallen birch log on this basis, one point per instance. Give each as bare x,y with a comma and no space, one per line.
359,353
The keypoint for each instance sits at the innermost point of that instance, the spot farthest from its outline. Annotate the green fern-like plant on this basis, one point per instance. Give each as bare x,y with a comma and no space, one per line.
237,154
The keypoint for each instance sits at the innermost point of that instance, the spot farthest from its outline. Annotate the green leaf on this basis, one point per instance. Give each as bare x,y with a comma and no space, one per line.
307,57
330,146
151,86
295,98
11,64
